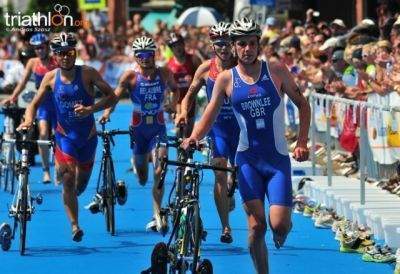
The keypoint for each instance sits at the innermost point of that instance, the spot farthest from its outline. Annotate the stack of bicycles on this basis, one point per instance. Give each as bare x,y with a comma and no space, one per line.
182,251
22,207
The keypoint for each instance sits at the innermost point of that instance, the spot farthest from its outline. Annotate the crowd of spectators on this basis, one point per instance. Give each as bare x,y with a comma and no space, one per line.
328,57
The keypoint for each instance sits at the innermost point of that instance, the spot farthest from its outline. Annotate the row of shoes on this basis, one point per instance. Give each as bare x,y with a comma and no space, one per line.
391,185
352,237
342,163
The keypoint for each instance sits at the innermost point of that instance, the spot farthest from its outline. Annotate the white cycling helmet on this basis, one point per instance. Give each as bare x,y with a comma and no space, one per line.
143,43
244,27
219,30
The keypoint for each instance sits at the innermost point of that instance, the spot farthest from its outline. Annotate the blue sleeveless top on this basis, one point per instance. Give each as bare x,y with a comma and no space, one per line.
38,74
225,124
259,109
147,97
66,96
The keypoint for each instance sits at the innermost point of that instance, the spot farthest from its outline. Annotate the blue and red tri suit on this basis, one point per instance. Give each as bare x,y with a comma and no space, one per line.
46,110
76,138
225,130
148,114
262,155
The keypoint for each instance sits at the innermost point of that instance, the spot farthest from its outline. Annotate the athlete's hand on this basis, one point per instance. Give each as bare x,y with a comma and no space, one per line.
25,125
181,118
187,142
9,101
104,118
82,111
301,153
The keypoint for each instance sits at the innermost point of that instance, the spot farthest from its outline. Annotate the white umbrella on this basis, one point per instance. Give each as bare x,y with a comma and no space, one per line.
199,16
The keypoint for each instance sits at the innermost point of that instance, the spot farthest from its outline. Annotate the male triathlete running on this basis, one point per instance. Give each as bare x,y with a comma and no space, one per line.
183,66
147,87
73,90
256,89
225,131
46,114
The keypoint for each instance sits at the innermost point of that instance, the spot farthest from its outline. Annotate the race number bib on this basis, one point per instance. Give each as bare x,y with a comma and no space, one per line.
149,120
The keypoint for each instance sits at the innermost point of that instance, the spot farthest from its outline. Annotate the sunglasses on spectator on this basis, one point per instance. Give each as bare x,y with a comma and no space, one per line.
243,44
144,54
69,53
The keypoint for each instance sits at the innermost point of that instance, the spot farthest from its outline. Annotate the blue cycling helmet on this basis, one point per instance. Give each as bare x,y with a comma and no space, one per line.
38,39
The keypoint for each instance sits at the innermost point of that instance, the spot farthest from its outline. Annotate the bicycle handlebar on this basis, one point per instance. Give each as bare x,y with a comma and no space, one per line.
17,141
112,132
196,165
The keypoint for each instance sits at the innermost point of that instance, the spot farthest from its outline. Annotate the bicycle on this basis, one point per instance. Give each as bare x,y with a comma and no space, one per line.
12,114
107,193
182,251
22,208
175,142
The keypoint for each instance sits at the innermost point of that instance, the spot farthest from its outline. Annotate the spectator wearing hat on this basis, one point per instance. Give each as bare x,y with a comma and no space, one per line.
338,27
271,30
335,85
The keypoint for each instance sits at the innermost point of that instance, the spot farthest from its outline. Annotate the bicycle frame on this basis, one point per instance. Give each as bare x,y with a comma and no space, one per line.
22,208
187,232
107,175
8,150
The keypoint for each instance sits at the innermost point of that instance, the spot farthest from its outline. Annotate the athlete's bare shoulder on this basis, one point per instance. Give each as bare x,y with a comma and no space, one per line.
32,62
49,78
203,69
277,68
205,66
225,76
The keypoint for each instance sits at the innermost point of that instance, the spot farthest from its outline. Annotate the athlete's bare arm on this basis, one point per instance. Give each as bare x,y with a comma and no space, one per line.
93,79
290,87
126,82
221,89
45,86
167,76
195,86
21,85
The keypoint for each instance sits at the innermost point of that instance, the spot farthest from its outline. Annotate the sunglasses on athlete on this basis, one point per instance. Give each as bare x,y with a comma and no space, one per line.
144,54
221,44
68,53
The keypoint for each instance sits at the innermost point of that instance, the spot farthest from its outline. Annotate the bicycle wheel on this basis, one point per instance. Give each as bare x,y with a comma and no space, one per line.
23,213
109,197
12,170
205,267
9,169
196,235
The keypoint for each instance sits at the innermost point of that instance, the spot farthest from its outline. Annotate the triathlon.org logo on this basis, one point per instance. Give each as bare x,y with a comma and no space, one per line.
42,22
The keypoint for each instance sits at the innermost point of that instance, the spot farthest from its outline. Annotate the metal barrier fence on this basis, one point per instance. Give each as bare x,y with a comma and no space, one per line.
361,108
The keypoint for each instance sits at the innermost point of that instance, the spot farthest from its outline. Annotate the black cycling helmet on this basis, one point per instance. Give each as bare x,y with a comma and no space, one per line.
63,41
